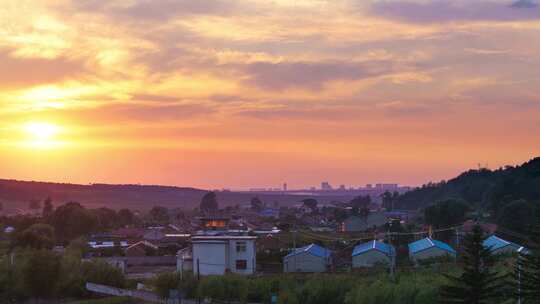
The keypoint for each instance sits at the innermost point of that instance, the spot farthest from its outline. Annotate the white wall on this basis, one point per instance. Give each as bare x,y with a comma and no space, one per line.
211,257
248,255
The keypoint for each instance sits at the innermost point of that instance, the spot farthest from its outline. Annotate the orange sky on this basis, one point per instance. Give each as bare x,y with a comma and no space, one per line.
249,93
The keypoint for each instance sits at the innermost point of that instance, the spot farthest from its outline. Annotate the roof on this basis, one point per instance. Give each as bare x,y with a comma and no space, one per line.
312,249
374,245
428,243
222,237
494,243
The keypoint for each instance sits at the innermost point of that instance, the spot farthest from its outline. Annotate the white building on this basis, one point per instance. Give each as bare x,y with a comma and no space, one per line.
217,255
311,258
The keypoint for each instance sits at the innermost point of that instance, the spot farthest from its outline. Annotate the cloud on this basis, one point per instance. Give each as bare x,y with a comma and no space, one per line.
311,75
524,4
454,10
18,72
156,10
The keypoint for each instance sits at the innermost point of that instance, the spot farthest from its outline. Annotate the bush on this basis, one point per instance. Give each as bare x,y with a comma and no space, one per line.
100,272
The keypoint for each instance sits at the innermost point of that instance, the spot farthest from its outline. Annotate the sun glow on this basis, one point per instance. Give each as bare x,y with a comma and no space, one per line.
42,135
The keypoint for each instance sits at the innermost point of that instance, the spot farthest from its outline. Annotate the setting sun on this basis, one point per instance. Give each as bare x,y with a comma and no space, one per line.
42,131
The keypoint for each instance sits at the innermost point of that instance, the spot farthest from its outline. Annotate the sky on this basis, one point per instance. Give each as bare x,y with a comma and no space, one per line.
252,93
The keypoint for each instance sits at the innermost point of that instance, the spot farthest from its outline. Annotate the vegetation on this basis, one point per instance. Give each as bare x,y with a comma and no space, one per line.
209,203
478,283
527,271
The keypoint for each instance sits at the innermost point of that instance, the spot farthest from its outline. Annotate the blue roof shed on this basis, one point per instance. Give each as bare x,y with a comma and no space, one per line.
428,243
374,245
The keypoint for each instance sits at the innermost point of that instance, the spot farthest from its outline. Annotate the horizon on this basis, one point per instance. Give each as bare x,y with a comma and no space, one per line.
248,94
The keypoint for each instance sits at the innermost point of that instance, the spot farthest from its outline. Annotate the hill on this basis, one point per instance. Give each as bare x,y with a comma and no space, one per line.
17,194
510,194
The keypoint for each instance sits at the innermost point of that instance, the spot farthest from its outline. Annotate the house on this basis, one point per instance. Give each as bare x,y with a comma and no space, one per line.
269,213
429,248
154,234
220,254
371,253
500,246
311,258
142,248
184,259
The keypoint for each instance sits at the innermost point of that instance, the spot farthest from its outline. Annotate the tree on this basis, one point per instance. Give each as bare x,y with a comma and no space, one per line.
209,203
125,217
41,273
37,236
517,216
311,203
446,213
48,208
527,271
478,283
159,214
107,218
257,204
72,220
34,204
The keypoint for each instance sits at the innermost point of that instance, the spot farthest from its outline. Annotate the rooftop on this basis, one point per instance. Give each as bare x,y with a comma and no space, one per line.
312,249
427,243
374,245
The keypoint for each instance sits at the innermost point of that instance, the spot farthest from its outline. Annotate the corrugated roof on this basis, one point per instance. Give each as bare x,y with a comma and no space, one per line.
374,245
427,243
494,243
312,249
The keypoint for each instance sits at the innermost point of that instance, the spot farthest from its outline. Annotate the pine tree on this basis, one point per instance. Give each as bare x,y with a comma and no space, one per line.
478,283
527,271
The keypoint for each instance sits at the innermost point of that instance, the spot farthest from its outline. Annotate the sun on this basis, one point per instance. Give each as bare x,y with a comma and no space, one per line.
42,134
42,131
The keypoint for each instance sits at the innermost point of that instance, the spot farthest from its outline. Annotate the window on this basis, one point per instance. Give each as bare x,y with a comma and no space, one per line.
241,246
241,264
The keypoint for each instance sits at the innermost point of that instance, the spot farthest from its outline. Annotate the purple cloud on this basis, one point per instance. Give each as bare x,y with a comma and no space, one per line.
312,75
158,10
451,10
31,71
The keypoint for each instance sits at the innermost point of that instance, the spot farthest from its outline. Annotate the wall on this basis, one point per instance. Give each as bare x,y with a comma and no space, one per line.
304,262
369,258
212,258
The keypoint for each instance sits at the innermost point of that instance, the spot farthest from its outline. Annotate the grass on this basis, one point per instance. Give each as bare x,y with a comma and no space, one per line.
111,300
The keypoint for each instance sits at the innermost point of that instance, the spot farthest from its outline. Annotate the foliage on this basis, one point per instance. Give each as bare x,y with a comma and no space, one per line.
125,217
99,272
446,213
159,214
527,270
72,220
209,203
48,208
311,203
517,216
478,283
256,204
40,274
37,236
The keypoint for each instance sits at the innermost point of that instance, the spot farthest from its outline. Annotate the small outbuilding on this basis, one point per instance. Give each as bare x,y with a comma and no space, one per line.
428,248
371,253
500,246
311,258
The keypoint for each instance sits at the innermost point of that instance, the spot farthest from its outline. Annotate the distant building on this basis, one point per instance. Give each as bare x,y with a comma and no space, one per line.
325,186
214,223
311,258
142,248
500,246
269,213
284,186
217,255
370,253
428,248
154,234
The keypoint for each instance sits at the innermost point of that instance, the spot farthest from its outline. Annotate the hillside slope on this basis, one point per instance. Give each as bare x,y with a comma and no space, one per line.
491,188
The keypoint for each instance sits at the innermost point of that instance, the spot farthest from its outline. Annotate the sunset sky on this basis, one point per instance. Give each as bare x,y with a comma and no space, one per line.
249,93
